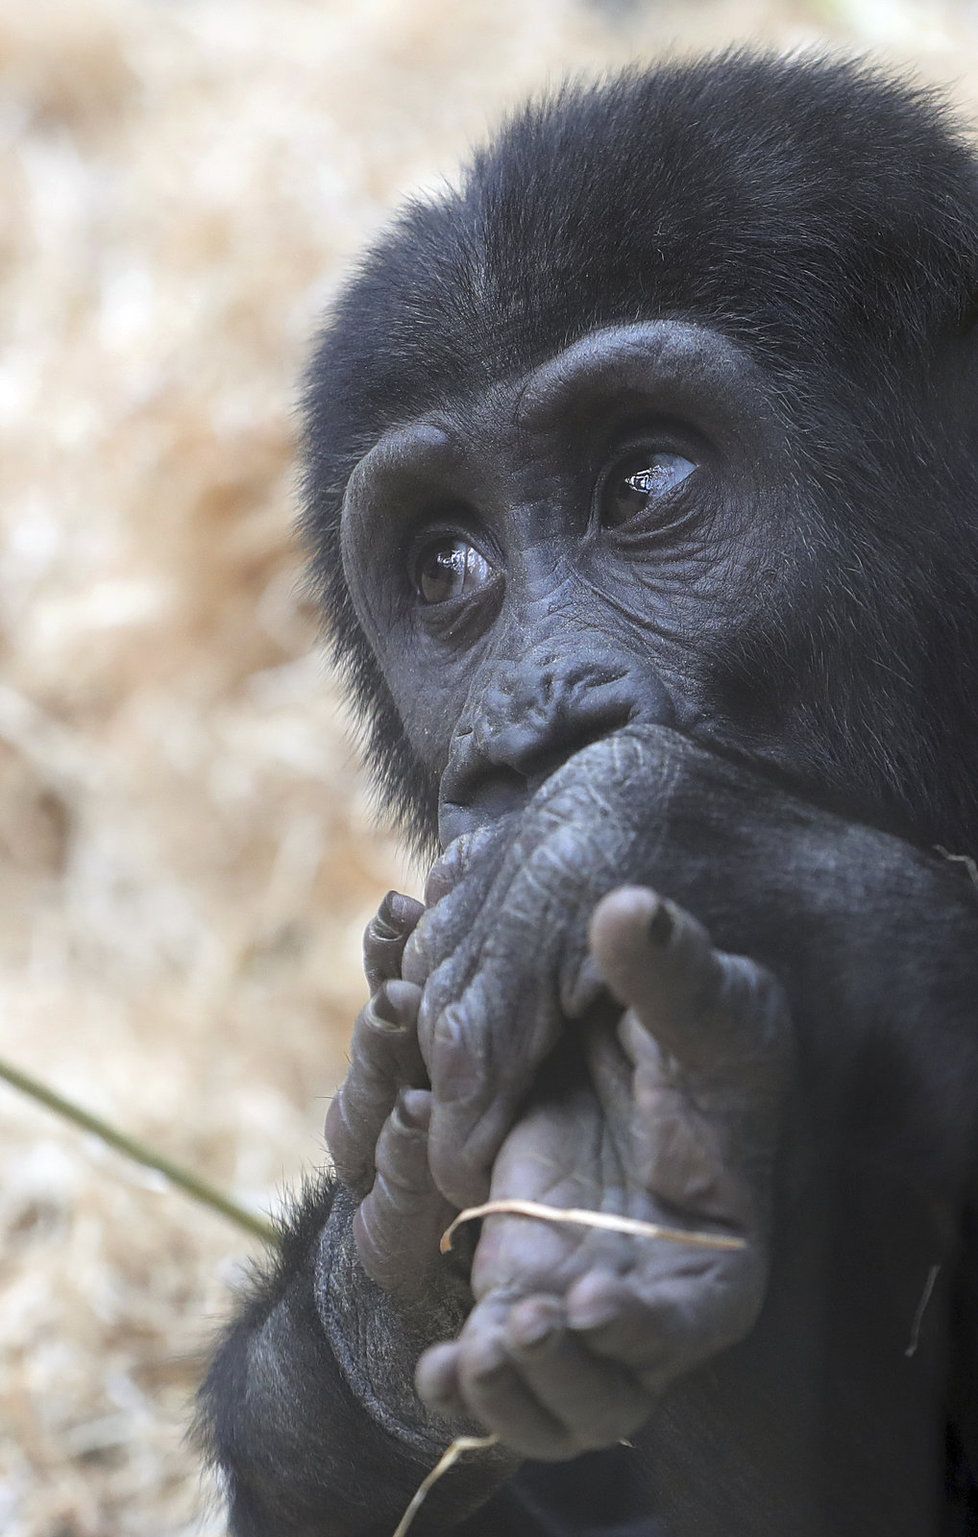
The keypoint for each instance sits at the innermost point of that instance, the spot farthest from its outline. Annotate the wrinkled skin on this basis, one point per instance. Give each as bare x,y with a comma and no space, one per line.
506,960
576,1331
668,1111
541,1088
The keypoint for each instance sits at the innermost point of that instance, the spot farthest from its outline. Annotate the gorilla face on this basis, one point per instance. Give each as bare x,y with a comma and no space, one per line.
626,533
651,429
562,555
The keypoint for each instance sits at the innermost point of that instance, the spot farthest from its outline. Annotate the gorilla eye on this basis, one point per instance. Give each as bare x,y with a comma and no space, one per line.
449,568
639,480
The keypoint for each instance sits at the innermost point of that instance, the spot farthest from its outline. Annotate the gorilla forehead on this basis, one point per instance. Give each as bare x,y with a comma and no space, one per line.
809,209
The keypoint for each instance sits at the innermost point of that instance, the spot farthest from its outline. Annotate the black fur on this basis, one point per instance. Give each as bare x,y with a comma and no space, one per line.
825,221
824,217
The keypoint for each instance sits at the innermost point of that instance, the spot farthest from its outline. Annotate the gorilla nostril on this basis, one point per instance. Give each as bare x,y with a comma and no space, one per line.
528,726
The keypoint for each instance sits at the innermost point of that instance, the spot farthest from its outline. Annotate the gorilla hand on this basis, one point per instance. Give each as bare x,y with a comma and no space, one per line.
831,907
672,1117
377,1126
504,960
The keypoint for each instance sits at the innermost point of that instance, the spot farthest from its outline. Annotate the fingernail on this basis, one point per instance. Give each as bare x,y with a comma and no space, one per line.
460,1074
385,1010
438,885
661,925
592,1310
584,1317
532,1336
531,1330
399,909
414,1109
384,924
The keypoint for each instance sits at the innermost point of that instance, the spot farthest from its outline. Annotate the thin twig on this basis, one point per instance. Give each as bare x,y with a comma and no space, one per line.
140,1152
448,1459
607,1220
970,865
918,1318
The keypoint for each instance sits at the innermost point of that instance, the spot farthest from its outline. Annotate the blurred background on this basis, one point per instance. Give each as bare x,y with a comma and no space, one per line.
187,844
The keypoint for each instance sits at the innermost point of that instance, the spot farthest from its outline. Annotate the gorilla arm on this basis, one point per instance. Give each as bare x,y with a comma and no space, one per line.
825,1419
308,1409
820,1421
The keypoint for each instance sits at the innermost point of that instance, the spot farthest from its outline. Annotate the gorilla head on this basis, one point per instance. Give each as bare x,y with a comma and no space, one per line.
663,420
665,415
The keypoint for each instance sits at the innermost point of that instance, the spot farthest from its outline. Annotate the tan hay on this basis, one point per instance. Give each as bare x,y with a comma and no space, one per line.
446,1461
185,1180
609,1222
187,860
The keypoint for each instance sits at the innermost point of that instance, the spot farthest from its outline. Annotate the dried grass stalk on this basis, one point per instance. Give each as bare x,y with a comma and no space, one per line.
447,1460
609,1221
198,1189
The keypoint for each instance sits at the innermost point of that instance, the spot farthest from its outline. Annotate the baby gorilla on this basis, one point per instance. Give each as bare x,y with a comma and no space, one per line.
649,451
654,1093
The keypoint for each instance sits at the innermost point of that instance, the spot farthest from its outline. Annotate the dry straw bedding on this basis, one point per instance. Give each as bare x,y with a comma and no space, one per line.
188,859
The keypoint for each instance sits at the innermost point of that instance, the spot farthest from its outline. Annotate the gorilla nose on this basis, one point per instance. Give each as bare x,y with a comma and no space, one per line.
521,732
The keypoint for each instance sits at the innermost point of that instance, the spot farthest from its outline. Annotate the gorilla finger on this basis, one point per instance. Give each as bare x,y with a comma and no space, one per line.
454,893
608,1316
384,1047
451,866
700,1005
471,1115
402,1147
384,1057
385,937
662,1331
655,958
493,1391
446,872
596,1400
397,1226
436,1379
